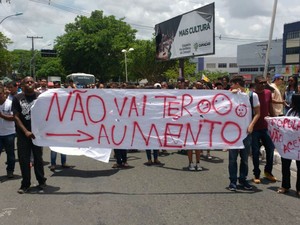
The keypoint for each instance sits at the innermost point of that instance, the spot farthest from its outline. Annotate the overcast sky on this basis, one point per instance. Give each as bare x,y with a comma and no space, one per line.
237,21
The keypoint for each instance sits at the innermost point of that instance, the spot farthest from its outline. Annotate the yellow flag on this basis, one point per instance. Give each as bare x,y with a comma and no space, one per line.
205,78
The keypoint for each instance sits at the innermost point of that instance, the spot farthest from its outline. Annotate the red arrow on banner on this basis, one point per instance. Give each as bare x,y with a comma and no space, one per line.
79,134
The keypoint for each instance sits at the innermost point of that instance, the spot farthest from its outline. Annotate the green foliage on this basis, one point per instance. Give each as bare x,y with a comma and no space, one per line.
142,63
21,62
189,71
52,67
93,45
5,57
4,41
43,66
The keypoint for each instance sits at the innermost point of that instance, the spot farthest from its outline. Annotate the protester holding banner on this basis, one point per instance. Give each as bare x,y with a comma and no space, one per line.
63,159
21,106
237,85
149,158
7,132
286,163
196,166
192,165
53,154
260,133
121,157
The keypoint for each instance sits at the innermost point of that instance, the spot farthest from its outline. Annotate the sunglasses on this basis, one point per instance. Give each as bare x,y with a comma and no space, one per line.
262,82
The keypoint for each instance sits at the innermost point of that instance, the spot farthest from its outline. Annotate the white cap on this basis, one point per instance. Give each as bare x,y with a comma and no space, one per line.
156,85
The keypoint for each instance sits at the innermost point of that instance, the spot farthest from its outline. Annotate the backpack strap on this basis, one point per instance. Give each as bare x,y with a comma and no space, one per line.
251,101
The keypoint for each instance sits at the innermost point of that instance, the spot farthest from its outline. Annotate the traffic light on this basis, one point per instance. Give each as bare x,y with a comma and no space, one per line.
48,53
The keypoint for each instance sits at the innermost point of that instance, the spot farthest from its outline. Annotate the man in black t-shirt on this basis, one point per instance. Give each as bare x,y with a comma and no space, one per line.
21,107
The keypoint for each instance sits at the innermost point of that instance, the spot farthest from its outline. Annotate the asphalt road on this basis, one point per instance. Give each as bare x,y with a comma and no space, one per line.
93,193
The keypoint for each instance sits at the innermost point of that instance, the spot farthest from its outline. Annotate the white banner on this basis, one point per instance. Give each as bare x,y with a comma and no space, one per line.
285,135
100,154
141,119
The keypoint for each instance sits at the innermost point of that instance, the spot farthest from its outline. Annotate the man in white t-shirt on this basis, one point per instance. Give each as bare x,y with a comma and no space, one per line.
237,85
277,101
7,132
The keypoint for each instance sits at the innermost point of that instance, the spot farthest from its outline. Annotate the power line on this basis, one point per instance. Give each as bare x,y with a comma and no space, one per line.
138,26
221,37
7,1
61,7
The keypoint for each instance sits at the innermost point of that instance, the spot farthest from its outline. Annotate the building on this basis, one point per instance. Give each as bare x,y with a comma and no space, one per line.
291,48
284,57
217,64
251,58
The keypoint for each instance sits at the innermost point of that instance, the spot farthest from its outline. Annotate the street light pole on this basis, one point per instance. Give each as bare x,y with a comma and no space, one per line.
16,14
125,54
270,39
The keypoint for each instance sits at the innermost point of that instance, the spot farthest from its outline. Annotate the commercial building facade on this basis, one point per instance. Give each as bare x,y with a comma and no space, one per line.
291,48
218,64
284,57
251,58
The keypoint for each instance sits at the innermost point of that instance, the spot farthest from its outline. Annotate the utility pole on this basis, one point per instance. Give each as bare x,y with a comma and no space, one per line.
32,60
270,38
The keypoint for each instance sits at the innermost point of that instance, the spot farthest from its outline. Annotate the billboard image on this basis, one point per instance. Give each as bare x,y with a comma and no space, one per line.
187,35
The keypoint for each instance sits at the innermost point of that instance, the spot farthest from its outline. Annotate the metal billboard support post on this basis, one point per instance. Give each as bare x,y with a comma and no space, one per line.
181,68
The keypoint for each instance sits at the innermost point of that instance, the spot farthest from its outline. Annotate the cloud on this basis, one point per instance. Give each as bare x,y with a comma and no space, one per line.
245,9
238,19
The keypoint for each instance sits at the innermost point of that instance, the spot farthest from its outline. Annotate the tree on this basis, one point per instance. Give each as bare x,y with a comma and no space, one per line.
142,63
21,62
189,71
93,45
5,57
43,66
52,67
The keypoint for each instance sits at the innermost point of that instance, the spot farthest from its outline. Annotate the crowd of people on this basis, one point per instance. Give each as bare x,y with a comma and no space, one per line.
266,96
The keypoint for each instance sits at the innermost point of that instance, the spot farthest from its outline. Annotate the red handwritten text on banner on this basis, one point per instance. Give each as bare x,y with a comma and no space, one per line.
141,119
285,133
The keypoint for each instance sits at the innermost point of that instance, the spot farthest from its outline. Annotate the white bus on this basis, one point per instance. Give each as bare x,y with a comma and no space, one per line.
81,80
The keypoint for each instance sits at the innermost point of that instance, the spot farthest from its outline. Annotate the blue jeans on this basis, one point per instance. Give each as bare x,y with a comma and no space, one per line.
53,158
8,142
244,153
155,154
266,141
233,168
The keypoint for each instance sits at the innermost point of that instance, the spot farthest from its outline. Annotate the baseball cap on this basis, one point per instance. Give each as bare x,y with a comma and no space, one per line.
157,85
276,76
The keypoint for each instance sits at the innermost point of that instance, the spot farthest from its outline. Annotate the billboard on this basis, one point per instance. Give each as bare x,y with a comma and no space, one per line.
187,35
